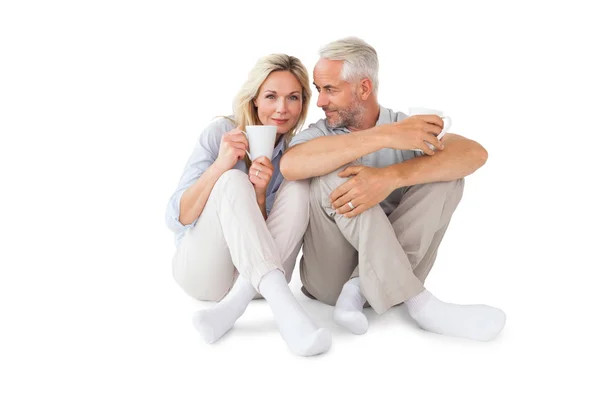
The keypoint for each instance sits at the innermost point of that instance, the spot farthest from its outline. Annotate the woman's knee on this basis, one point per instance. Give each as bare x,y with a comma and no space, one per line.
233,177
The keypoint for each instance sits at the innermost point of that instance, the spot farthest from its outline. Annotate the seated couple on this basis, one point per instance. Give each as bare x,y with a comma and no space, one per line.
368,192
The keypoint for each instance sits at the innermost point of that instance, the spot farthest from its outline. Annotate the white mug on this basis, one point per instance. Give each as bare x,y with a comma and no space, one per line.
261,140
428,111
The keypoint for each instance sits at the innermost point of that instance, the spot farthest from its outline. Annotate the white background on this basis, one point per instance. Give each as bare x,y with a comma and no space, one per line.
100,106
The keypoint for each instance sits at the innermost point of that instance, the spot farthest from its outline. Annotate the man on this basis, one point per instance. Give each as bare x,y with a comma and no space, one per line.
378,208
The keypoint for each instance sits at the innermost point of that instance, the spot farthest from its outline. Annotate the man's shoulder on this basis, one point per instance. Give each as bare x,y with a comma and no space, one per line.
387,115
320,125
314,130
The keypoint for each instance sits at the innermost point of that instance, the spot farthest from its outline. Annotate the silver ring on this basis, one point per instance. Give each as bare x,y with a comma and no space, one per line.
350,205
257,171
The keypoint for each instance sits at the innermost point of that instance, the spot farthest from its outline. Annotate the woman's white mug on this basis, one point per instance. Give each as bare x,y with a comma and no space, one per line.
261,140
429,111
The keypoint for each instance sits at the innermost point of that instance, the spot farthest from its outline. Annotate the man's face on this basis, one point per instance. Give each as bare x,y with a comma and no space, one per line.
338,98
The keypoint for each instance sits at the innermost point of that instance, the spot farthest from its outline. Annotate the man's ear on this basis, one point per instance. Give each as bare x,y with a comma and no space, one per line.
366,88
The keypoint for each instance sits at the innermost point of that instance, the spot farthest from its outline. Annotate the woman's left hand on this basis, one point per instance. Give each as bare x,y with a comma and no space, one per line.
260,174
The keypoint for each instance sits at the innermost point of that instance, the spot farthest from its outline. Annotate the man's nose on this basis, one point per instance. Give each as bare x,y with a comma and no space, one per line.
322,100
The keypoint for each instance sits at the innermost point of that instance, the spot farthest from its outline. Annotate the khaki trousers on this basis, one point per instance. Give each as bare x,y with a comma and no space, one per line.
392,255
231,237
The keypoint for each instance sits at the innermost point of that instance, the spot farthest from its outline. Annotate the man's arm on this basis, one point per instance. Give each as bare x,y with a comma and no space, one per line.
369,186
324,154
461,157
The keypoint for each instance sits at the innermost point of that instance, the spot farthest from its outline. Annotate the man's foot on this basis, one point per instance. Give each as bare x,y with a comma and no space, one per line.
348,308
477,322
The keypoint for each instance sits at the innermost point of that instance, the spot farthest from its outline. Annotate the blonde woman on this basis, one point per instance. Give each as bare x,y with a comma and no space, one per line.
238,225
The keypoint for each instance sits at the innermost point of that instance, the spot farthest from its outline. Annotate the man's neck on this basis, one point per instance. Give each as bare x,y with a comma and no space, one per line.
370,116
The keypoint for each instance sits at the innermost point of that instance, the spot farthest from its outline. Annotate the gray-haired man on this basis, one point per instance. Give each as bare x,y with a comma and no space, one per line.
378,211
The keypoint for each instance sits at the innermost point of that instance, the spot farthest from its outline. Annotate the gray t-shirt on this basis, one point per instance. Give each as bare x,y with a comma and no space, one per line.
378,159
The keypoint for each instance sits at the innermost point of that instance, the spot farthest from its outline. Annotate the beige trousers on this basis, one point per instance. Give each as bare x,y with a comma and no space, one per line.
392,255
232,236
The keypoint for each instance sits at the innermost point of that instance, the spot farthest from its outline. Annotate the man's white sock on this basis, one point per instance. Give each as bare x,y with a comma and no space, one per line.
477,322
348,308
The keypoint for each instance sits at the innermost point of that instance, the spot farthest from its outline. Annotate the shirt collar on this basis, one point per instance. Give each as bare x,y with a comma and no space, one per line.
279,147
385,116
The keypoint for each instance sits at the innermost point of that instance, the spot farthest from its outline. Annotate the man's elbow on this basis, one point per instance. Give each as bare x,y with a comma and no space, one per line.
286,168
482,155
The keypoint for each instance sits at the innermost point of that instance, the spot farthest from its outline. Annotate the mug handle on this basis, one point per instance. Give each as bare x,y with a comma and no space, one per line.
447,124
249,156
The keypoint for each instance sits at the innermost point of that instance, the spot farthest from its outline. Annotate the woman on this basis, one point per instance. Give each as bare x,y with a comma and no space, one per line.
226,251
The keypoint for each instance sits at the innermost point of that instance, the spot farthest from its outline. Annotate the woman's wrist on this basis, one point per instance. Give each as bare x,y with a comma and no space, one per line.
261,198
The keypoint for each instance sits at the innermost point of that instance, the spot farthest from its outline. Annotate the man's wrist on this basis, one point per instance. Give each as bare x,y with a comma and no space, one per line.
396,175
374,137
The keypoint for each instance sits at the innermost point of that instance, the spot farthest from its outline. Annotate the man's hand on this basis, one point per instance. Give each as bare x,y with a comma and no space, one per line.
413,133
367,188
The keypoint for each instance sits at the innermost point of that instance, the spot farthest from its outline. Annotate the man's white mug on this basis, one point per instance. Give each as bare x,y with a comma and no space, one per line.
261,140
428,111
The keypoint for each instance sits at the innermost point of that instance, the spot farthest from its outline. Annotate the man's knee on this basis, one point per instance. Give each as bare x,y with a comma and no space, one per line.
321,187
329,182
453,189
446,188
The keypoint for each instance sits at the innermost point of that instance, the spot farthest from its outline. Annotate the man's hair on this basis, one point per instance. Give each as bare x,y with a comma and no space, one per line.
360,59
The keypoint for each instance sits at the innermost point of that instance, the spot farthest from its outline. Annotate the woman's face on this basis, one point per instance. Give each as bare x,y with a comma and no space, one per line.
279,101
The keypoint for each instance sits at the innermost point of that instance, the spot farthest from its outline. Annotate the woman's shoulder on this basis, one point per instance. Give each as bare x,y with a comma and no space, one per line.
217,128
222,123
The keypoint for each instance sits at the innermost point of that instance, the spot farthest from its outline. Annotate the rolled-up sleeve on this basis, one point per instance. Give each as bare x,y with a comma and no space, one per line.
204,154
312,132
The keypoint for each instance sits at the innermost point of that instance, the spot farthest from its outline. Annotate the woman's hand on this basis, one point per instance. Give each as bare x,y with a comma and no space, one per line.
232,149
260,173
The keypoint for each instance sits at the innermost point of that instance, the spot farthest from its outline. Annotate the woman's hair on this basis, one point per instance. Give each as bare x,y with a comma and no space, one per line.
360,59
244,110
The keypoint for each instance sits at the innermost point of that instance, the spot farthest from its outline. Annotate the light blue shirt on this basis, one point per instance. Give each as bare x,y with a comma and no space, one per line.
204,154
378,159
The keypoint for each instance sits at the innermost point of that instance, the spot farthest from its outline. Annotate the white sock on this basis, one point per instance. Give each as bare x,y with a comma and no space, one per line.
301,334
477,322
214,322
348,308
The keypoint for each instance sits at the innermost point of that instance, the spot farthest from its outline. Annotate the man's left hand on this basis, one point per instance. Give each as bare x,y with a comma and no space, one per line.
368,187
